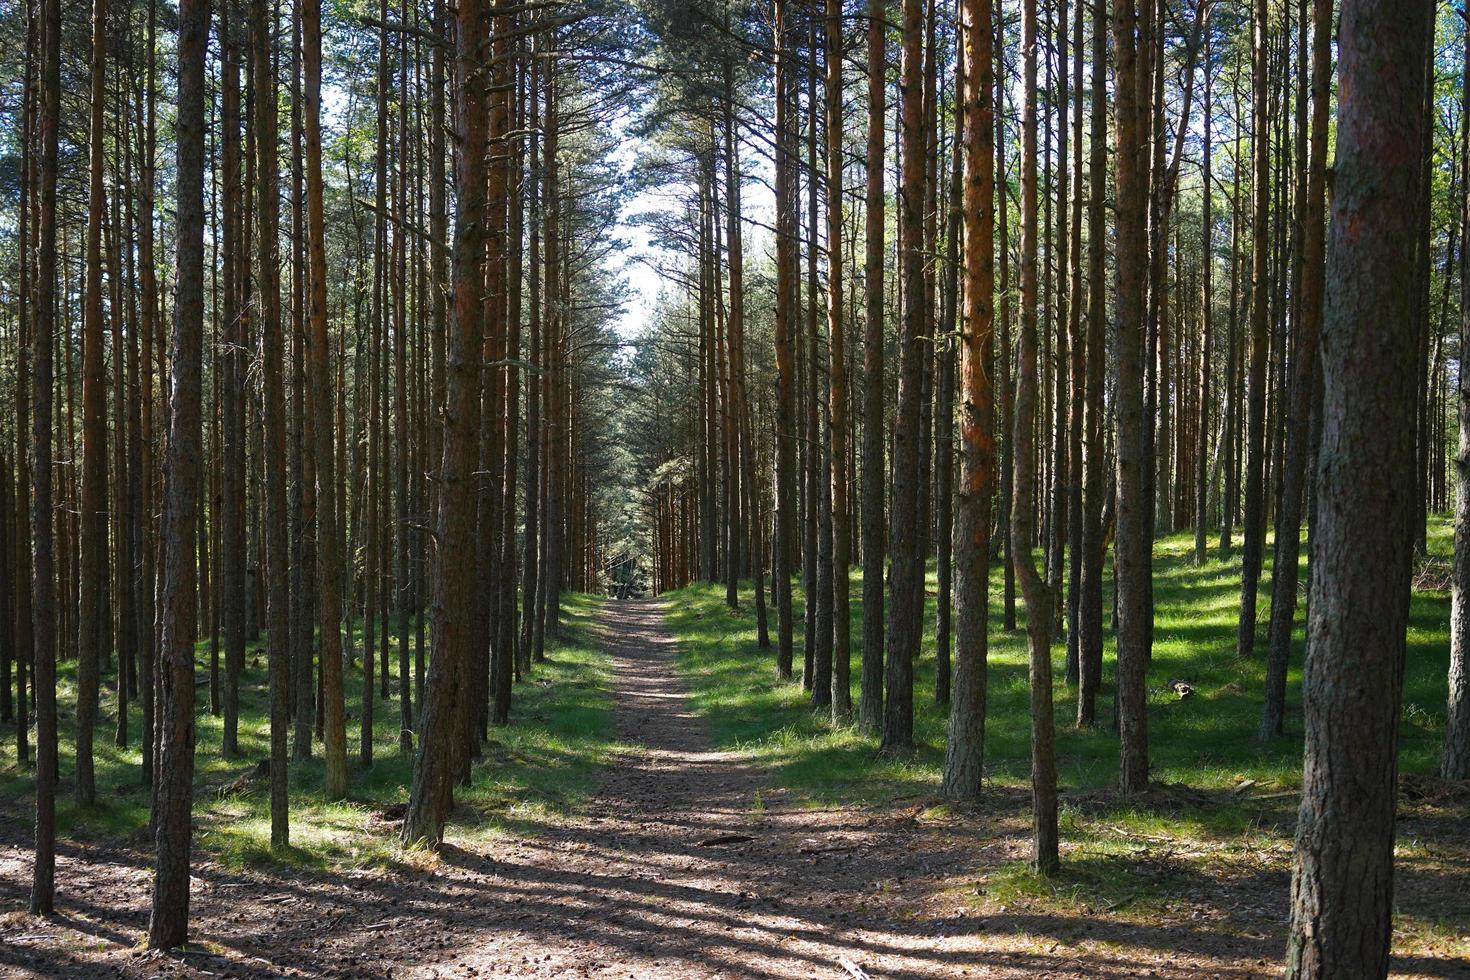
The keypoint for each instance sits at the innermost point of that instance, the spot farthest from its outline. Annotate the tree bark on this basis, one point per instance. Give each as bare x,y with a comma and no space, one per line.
1285,570
1134,541
93,518
1342,870
334,739
168,923
268,274
870,700
964,761
1254,530
43,561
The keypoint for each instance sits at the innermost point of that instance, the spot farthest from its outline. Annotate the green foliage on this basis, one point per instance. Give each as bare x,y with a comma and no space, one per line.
538,768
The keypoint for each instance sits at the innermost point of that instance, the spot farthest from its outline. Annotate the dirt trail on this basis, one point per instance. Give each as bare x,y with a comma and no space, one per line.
684,865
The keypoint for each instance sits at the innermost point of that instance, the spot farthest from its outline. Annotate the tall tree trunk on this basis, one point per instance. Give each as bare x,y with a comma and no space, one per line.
1034,590
944,380
870,701
43,562
1455,760
1077,374
93,518
837,354
444,710
1342,871
1134,531
1284,570
1254,530
905,586
786,232
268,273
1207,308
232,409
1095,479
535,382
964,761
168,924
334,739
24,549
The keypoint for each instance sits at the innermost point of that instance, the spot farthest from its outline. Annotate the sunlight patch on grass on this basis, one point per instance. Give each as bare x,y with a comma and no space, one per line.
533,772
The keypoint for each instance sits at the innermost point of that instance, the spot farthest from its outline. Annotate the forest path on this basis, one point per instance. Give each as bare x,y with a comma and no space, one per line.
685,865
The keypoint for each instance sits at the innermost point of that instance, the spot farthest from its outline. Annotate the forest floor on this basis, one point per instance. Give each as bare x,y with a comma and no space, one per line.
666,809
1189,879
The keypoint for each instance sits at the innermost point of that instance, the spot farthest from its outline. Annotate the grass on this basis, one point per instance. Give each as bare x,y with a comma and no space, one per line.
543,764
1123,859
1207,741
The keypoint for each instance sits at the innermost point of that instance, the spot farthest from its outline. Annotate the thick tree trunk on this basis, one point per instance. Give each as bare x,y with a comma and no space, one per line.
1342,872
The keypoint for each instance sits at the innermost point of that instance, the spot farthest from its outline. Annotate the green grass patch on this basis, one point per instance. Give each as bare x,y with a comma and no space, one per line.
1207,741
540,767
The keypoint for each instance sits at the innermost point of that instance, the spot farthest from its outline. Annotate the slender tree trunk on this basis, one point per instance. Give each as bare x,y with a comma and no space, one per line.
93,518
786,232
232,409
168,924
944,377
1034,590
535,384
837,356
43,561
1207,307
1284,571
905,585
1455,760
444,711
964,762
334,739
25,648
870,702
1094,490
1254,531
1134,531
269,301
